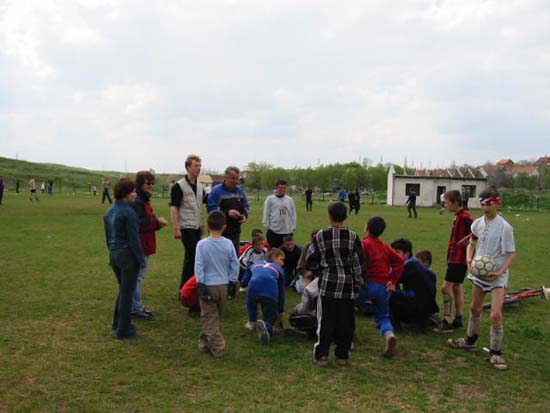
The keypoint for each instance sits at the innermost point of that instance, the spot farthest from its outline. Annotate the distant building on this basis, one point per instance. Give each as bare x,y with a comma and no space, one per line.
430,184
543,161
527,170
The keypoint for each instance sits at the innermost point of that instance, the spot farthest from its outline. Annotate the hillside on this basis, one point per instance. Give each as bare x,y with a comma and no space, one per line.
64,177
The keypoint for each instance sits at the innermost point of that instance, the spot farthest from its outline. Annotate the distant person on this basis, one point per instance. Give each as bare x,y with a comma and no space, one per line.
442,202
292,253
148,224
337,258
186,200
411,203
106,184
32,187
265,283
42,187
351,200
465,199
217,269
230,199
383,271
17,184
279,216
457,268
94,190
357,196
342,195
125,253
415,302
1,189
50,187
309,199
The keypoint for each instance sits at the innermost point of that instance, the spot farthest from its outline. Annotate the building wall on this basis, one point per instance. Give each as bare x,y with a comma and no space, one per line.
428,189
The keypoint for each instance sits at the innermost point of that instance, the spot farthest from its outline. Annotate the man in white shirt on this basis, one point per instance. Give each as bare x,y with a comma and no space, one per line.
279,215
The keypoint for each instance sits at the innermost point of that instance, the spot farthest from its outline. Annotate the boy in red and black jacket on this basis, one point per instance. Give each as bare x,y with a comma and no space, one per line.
456,263
384,268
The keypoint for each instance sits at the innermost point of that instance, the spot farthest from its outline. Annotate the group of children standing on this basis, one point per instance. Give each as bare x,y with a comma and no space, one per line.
340,271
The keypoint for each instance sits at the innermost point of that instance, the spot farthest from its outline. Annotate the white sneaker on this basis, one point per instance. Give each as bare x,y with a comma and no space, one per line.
391,342
498,362
250,326
263,334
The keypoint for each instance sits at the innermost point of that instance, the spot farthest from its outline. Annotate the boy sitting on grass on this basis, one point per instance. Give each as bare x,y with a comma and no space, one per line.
491,237
257,251
416,301
336,258
265,280
216,269
383,270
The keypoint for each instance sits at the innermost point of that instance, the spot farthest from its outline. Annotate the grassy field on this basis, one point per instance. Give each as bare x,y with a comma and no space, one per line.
57,351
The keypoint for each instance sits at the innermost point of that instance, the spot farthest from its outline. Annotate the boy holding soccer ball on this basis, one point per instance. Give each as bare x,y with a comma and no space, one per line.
492,237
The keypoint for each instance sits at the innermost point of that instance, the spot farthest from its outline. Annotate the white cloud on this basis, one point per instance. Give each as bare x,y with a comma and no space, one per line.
97,82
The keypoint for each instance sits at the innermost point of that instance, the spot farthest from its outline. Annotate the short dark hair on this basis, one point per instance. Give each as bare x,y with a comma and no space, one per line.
232,168
190,160
123,187
288,238
454,197
216,220
338,211
281,182
376,226
490,192
256,231
404,245
274,252
258,238
424,255
142,177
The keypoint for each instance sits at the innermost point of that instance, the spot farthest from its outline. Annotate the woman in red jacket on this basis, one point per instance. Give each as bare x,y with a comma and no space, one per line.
148,224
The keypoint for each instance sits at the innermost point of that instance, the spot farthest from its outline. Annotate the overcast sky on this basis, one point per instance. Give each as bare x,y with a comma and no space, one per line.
140,84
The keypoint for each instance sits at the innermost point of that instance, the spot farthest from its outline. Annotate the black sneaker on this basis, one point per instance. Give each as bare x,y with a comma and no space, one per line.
444,327
457,323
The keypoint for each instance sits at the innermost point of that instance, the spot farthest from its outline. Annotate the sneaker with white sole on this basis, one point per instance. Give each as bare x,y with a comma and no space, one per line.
250,325
391,342
263,334
498,362
460,343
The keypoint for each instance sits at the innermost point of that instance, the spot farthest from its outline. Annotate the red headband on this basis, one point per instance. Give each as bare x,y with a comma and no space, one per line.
489,201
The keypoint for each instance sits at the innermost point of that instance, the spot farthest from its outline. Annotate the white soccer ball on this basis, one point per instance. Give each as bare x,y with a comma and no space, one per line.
482,265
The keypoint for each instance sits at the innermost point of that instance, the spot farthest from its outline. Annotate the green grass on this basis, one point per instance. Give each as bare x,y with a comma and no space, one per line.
57,352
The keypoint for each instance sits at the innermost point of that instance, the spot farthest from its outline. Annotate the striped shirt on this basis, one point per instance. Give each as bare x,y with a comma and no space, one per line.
336,257
456,252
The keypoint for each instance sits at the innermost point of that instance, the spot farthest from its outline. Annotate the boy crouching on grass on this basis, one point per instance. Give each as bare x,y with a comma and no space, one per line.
336,257
216,269
265,280
492,237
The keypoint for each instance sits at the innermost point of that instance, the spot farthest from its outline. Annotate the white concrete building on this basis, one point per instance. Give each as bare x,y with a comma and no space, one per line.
430,184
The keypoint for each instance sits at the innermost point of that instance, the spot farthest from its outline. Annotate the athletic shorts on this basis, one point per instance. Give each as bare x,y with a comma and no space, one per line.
33,191
456,273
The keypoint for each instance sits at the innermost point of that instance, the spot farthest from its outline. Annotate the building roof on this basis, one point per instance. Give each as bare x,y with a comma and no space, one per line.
529,170
505,162
452,173
543,161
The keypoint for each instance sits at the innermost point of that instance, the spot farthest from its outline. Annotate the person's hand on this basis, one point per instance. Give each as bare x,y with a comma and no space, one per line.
162,222
231,290
390,287
243,219
177,233
203,292
233,213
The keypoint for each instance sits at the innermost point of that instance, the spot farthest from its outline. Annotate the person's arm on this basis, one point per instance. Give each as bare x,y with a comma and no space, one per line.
176,198
396,264
293,215
313,257
281,287
233,265
132,233
199,265
360,265
245,258
213,202
246,206
267,212
246,277
105,225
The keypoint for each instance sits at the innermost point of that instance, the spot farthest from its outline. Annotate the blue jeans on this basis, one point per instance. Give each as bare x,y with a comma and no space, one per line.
137,304
381,300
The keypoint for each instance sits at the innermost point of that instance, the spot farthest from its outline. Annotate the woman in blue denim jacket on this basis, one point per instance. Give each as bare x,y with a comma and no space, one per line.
125,253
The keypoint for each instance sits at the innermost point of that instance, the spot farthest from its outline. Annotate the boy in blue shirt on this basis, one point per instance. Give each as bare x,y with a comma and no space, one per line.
265,280
217,269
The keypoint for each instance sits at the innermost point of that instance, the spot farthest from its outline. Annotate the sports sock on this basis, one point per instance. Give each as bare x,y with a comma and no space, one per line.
473,326
447,307
497,335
